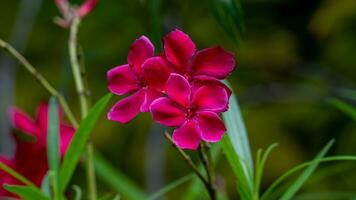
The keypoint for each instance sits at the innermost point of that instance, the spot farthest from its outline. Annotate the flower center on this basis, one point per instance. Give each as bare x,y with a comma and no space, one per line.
190,113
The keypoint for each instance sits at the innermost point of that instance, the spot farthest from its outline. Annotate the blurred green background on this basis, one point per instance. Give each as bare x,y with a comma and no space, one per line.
293,55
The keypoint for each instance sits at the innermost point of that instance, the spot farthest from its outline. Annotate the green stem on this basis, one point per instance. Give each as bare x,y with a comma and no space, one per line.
32,70
16,175
84,105
207,161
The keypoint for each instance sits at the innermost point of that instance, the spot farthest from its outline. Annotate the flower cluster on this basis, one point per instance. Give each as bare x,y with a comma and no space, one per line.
181,87
30,159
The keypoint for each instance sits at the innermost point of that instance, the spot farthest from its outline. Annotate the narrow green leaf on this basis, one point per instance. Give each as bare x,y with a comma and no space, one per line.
77,192
344,107
15,174
171,186
116,180
53,155
238,137
26,192
46,186
78,142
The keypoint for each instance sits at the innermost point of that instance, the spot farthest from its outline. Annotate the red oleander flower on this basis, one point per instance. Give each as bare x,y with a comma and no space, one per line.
206,66
193,112
30,158
143,77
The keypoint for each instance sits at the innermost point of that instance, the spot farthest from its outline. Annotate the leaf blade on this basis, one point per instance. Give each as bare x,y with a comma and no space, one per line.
26,192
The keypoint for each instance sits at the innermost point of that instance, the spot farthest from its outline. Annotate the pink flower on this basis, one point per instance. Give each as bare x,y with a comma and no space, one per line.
193,112
143,77
30,158
87,7
210,64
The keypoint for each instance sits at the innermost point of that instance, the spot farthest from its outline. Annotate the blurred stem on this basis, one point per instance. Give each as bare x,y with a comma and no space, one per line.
191,164
205,156
32,70
78,78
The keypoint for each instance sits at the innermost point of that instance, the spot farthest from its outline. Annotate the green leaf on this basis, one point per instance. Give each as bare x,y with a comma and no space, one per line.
26,192
171,186
116,179
241,162
79,141
53,155
344,107
77,192
46,186
15,174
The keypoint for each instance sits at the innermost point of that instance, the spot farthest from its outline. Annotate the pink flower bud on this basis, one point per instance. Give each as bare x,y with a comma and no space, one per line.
86,7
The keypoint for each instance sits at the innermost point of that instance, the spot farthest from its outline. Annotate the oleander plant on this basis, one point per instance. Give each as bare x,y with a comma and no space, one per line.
179,88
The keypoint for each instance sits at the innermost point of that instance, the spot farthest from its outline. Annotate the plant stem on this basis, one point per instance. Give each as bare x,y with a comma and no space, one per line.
205,156
32,70
191,164
78,78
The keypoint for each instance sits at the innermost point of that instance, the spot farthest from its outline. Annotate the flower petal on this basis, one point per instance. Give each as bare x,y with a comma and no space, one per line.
167,112
187,136
179,49
156,72
66,136
202,80
87,7
210,97
213,62
127,108
23,122
122,80
140,50
178,89
211,126
150,96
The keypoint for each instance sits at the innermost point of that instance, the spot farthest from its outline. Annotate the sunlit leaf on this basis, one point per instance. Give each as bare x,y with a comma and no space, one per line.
79,141
26,192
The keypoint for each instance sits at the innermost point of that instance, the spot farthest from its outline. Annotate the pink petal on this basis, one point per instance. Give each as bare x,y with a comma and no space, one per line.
210,97
66,135
140,50
202,80
23,122
87,7
150,96
211,126
127,108
156,72
187,136
213,62
167,112
178,89
122,80
179,49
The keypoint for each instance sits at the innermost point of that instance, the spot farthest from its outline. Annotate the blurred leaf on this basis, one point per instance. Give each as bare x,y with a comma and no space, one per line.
229,15
53,146
297,184
116,179
351,94
45,186
26,192
78,142
171,186
155,21
15,174
77,192
327,195
344,107
237,149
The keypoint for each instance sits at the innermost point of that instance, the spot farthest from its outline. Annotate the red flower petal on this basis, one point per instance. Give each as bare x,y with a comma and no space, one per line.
156,72
127,108
167,112
179,49
178,89
122,80
140,50
187,136
202,80
87,7
210,97
23,122
150,96
211,126
213,62
66,136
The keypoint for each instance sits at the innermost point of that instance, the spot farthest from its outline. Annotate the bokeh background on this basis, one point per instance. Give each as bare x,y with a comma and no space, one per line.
294,57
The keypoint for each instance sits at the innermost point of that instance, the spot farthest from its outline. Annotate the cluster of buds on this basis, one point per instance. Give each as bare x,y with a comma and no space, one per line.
69,12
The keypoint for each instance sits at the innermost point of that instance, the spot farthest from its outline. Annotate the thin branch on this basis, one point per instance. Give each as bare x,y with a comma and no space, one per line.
32,70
